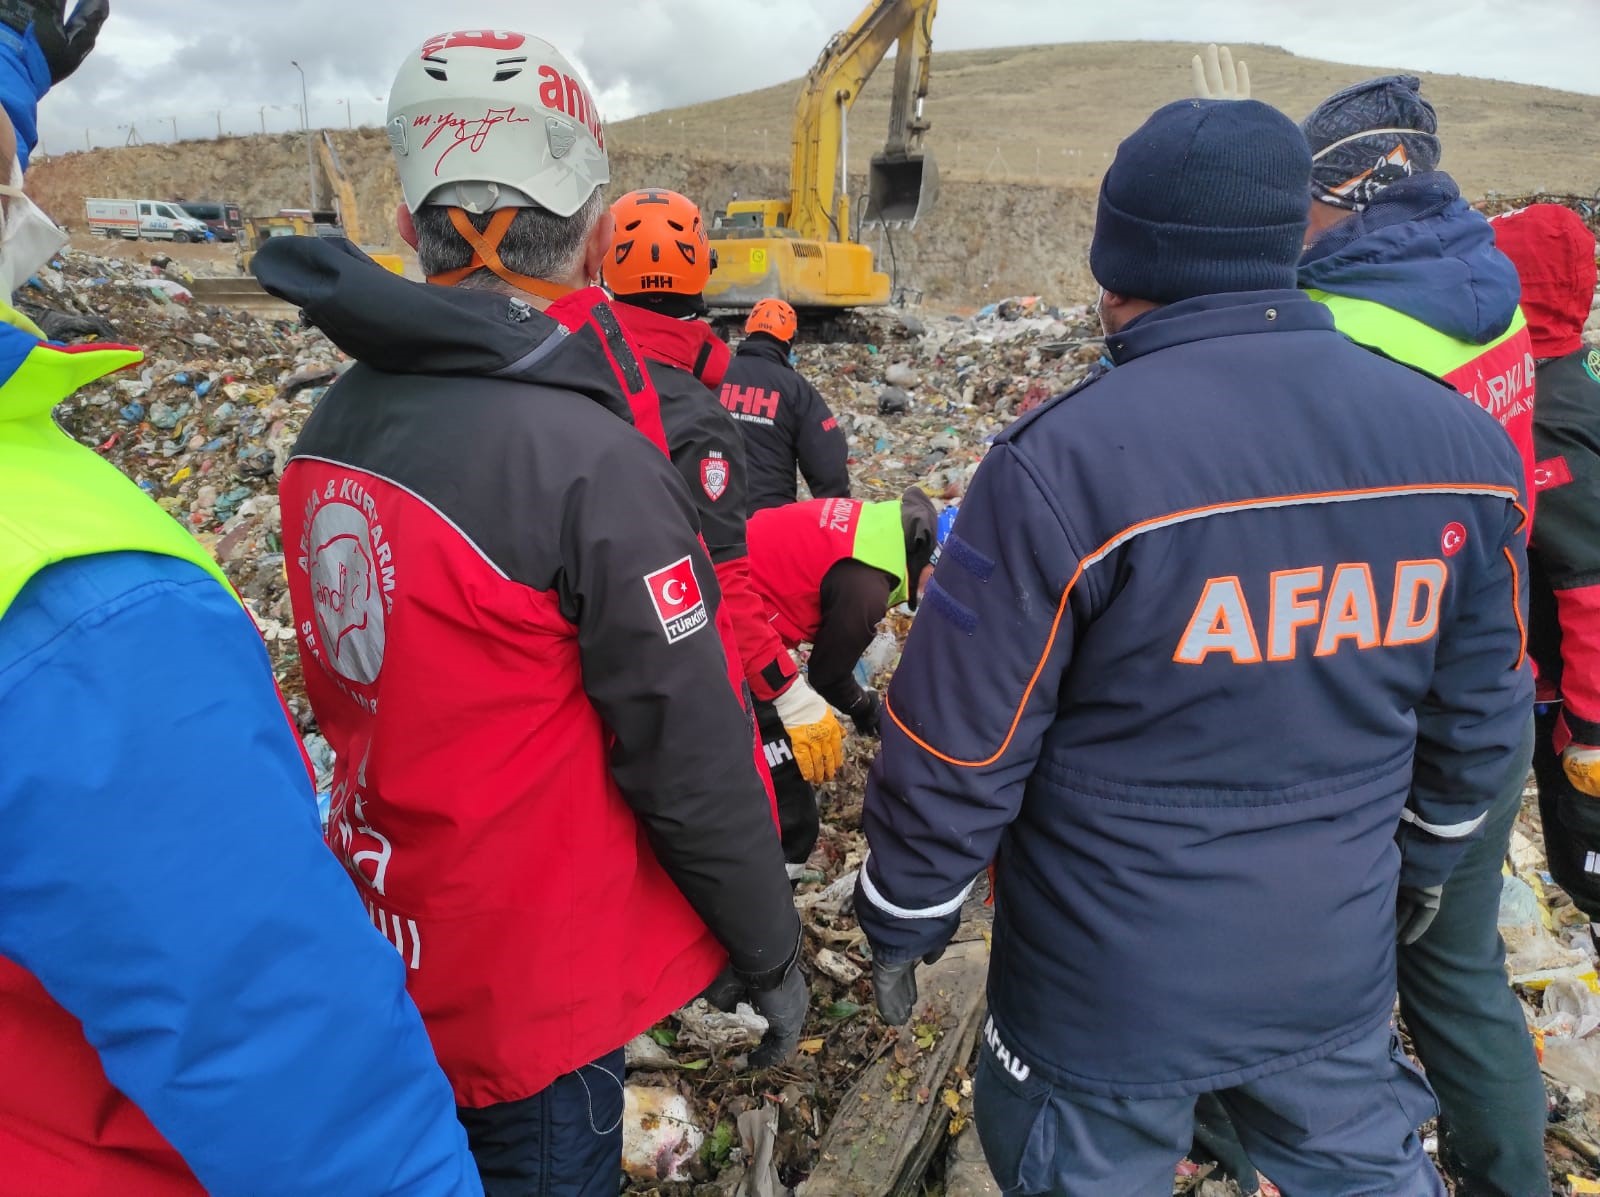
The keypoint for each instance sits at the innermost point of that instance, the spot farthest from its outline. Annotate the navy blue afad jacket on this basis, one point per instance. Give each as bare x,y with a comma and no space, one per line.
1224,646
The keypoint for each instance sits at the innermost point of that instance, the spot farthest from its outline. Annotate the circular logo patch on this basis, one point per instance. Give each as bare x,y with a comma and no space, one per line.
345,592
1454,537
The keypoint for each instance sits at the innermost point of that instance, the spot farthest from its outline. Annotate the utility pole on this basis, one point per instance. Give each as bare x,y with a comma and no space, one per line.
305,121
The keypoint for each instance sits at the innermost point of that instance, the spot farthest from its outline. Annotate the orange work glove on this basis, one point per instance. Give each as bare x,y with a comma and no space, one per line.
816,735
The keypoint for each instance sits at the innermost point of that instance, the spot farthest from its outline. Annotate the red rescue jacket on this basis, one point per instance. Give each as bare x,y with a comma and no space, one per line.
545,789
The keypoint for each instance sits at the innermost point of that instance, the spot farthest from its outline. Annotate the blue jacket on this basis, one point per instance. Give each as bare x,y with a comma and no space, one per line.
164,876
1200,802
1420,249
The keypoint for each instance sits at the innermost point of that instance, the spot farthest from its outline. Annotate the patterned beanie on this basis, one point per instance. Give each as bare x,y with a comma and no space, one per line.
1368,136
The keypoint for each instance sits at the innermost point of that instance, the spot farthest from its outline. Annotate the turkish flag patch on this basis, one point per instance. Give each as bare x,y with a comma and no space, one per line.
675,592
1551,472
714,476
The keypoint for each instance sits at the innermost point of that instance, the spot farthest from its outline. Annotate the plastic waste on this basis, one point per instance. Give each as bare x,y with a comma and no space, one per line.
660,1133
879,658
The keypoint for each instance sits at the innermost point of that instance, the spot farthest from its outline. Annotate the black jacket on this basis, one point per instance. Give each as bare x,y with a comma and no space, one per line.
785,422
1564,557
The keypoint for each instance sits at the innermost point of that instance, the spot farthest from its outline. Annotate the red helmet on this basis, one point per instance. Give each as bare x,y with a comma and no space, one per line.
773,317
660,246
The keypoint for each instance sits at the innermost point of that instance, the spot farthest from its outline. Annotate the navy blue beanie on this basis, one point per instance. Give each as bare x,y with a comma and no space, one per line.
1207,196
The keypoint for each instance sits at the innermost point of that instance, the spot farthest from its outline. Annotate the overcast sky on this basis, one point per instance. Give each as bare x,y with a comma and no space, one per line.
201,60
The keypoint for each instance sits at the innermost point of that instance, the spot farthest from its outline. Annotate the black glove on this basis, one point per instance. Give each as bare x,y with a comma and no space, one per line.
864,712
70,326
784,1008
895,988
727,991
1415,911
66,41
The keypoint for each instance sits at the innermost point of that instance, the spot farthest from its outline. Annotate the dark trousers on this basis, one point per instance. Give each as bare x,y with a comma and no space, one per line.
1467,1026
564,1141
797,804
1571,822
1336,1127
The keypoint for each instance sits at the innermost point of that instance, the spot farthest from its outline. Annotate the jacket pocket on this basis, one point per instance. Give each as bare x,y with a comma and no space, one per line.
1015,1126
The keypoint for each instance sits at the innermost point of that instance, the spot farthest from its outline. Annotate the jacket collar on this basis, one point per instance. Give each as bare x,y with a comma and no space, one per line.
766,348
403,327
688,345
1208,317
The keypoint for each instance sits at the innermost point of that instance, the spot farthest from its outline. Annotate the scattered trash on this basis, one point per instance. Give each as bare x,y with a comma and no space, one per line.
703,1025
205,423
893,401
660,1133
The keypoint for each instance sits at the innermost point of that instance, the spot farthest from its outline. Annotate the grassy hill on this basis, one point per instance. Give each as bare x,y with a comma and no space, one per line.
1021,135
1057,113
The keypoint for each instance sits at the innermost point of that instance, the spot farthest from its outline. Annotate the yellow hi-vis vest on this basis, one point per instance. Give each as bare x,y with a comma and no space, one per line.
1498,377
59,499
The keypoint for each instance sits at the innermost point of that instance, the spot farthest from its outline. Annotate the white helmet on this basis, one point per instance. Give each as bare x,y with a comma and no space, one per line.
486,119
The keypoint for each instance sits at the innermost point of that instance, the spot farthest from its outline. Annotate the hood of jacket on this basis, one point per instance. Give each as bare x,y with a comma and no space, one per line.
1553,251
1419,248
688,345
403,327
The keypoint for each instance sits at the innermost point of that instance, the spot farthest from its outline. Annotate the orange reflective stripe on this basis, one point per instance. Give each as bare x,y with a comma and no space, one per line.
1178,517
1516,609
486,256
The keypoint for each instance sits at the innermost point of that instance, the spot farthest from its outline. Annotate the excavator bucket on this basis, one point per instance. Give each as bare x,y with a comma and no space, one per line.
902,188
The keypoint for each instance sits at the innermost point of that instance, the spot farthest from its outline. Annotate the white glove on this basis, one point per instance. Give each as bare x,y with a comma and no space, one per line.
814,732
1215,77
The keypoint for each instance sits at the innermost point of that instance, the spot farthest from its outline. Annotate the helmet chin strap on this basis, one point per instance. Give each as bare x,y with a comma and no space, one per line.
486,256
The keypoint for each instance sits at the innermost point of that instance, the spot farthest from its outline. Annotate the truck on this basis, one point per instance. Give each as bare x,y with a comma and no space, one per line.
142,219
802,248
223,217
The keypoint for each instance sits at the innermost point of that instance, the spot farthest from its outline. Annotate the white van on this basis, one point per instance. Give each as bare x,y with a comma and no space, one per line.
151,220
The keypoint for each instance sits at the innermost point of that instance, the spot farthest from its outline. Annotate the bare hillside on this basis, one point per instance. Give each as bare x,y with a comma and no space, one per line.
1022,136
1058,112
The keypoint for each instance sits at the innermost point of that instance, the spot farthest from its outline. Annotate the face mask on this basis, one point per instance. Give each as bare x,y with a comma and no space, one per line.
28,238
794,358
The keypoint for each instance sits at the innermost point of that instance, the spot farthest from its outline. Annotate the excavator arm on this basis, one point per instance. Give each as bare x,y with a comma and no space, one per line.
819,202
349,212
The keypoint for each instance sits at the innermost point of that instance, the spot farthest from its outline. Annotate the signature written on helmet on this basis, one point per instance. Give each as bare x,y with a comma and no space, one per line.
469,131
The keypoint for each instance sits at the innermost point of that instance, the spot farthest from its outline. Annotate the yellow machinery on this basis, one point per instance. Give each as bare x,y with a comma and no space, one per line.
349,210
801,250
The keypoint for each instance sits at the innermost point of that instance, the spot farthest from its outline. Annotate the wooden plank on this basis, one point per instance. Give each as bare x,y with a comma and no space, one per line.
877,1144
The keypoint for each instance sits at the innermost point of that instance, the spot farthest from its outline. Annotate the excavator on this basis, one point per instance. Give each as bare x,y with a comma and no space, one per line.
800,249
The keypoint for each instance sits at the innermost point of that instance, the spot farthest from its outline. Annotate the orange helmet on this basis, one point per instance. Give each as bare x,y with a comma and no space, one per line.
773,317
660,245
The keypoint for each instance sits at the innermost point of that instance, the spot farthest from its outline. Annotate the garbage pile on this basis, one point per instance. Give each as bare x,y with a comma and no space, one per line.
204,425
924,396
1551,957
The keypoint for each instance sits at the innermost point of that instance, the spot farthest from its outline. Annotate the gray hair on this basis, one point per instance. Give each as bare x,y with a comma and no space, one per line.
538,243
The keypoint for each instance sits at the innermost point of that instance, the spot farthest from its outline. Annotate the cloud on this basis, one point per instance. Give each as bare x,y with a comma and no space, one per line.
198,63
